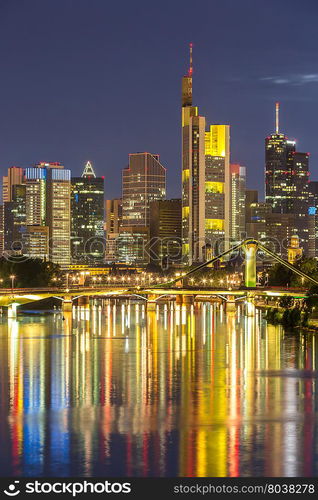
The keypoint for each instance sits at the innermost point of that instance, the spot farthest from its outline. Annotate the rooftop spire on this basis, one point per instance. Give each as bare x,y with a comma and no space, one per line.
277,117
88,170
190,65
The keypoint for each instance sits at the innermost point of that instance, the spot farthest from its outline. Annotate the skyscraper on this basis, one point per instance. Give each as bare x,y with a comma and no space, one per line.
143,181
114,215
36,242
15,176
165,232
286,179
205,181
217,188
48,205
58,214
35,180
15,220
193,174
87,208
237,202
114,218
313,219
251,196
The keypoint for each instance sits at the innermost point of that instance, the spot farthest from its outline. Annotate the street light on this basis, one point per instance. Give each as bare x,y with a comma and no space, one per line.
12,278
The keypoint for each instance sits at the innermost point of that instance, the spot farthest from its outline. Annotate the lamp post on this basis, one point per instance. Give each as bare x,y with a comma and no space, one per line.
12,277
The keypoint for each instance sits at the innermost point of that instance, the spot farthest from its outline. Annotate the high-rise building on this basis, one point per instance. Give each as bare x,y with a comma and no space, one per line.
87,208
36,211
15,219
132,245
165,232
278,154
258,213
237,203
1,229
313,220
36,242
217,202
286,179
206,195
15,176
299,164
193,174
313,193
58,215
280,229
114,217
35,181
251,196
143,181
48,205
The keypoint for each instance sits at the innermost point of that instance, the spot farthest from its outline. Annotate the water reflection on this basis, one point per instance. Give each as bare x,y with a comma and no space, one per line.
115,390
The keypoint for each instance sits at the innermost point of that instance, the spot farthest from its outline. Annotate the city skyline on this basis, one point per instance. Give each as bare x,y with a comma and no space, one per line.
97,103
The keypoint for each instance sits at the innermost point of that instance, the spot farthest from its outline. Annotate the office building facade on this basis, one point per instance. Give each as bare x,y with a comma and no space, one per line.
48,188
237,202
165,246
287,179
193,174
114,218
14,219
143,181
87,208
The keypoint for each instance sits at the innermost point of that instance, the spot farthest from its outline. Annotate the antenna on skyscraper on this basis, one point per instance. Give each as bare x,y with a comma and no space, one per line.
277,117
191,66
88,170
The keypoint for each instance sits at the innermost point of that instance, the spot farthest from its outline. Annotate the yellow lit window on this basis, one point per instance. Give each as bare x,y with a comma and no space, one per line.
185,175
214,187
214,224
185,212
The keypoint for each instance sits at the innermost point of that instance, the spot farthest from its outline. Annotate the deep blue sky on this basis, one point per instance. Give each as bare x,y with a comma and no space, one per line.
98,79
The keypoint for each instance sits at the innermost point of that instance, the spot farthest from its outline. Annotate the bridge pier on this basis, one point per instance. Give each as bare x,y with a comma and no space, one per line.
67,304
151,303
250,249
188,299
83,300
179,299
12,311
184,299
250,307
230,305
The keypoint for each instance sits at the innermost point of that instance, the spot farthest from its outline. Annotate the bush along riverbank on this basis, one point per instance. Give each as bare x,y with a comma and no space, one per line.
291,318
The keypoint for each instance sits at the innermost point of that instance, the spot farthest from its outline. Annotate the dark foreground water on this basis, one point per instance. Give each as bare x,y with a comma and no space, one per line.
182,391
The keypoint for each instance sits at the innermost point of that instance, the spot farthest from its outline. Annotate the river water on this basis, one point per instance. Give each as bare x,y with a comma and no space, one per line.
112,390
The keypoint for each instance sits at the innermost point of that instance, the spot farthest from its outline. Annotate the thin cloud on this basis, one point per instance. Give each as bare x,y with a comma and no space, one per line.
299,79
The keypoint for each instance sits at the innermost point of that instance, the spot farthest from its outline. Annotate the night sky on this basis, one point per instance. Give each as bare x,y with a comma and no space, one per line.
98,79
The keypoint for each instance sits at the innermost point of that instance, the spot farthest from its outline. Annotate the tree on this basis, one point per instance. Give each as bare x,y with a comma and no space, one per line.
279,275
307,265
286,302
28,272
311,301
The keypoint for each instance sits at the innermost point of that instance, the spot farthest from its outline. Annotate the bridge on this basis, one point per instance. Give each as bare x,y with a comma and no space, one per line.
184,294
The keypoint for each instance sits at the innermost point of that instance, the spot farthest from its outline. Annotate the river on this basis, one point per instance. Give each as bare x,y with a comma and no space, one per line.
112,390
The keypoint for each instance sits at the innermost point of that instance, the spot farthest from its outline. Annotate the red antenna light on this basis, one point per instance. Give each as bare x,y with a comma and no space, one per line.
190,72
277,117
